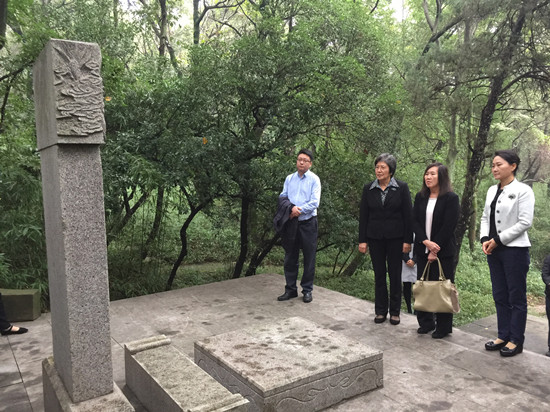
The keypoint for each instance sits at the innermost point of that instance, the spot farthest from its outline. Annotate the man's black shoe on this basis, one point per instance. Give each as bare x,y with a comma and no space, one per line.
307,297
287,295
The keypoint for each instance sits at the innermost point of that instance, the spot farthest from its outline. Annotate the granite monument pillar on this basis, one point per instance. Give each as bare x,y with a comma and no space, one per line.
70,127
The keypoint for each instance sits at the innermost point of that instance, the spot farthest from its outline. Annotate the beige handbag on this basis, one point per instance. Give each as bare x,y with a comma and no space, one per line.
438,296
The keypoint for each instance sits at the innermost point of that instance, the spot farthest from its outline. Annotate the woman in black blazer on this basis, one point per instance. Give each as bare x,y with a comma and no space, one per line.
435,215
385,229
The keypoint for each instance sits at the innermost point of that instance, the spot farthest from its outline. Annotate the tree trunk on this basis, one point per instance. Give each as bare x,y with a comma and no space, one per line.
472,233
159,213
183,240
259,256
480,142
117,227
354,264
196,22
115,13
3,22
163,25
245,211
453,150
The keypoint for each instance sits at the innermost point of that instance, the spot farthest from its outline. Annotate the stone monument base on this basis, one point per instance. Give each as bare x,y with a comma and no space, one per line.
290,365
166,380
57,399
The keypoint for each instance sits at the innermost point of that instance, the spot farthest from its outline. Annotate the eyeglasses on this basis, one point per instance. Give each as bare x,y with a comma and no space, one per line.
303,160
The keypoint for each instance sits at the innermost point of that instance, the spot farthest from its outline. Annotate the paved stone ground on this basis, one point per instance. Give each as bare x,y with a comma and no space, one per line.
420,373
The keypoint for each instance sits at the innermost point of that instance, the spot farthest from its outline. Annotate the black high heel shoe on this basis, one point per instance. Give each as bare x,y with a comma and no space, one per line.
491,345
507,352
10,331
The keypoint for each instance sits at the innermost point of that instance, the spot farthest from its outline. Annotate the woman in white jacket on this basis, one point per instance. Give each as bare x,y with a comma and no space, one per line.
507,216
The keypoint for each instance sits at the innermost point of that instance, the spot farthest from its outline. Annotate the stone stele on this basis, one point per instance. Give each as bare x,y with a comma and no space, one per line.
68,93
290,365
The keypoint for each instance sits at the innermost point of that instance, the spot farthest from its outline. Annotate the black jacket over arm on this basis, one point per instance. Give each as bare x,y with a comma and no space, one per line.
283,224
546,270
445,218
390,220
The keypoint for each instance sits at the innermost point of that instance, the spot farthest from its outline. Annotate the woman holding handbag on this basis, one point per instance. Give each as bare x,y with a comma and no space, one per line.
435,215
507,216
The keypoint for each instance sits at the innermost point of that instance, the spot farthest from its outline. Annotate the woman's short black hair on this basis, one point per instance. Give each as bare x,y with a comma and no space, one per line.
443,180
389,160
510,156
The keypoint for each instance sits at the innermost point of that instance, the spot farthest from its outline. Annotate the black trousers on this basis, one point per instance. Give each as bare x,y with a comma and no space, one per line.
441,322
547,292
390,252
509,267
407,295
4,324
306,240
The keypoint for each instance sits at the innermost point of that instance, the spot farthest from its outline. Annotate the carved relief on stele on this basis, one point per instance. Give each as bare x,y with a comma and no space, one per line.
78,89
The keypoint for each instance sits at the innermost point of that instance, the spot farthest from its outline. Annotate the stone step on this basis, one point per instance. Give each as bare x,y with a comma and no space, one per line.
164,379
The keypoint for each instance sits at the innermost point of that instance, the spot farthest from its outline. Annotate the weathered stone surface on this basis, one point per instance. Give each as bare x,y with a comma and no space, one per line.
69,94
166,380
57,399
411,361
70,125
21,304
290,365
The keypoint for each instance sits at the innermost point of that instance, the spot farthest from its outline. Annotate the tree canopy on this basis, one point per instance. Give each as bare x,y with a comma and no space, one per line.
208,101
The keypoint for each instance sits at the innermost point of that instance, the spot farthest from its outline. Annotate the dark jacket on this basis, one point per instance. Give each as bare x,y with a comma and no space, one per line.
546,271
282,223
445,218
284,207
390,220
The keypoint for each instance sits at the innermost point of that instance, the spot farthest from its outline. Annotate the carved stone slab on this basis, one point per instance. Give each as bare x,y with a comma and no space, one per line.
69,94
166,380
290,365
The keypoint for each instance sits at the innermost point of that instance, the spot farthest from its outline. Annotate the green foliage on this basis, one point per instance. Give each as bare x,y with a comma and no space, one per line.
360,284
539,234
21,219
219,124
474,285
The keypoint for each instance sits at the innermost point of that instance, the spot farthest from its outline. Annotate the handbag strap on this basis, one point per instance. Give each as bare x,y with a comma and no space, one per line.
427,270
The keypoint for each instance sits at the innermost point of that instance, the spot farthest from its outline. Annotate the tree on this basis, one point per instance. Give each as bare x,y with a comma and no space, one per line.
501,57
199,14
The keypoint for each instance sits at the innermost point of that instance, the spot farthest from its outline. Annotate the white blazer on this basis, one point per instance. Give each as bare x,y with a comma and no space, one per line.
513,213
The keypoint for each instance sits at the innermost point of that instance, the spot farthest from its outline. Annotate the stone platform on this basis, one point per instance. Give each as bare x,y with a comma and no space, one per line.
290,365
420,373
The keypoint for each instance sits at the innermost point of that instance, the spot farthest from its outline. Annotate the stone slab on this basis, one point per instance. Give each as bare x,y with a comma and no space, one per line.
57,399
290,365
21,305
166,380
